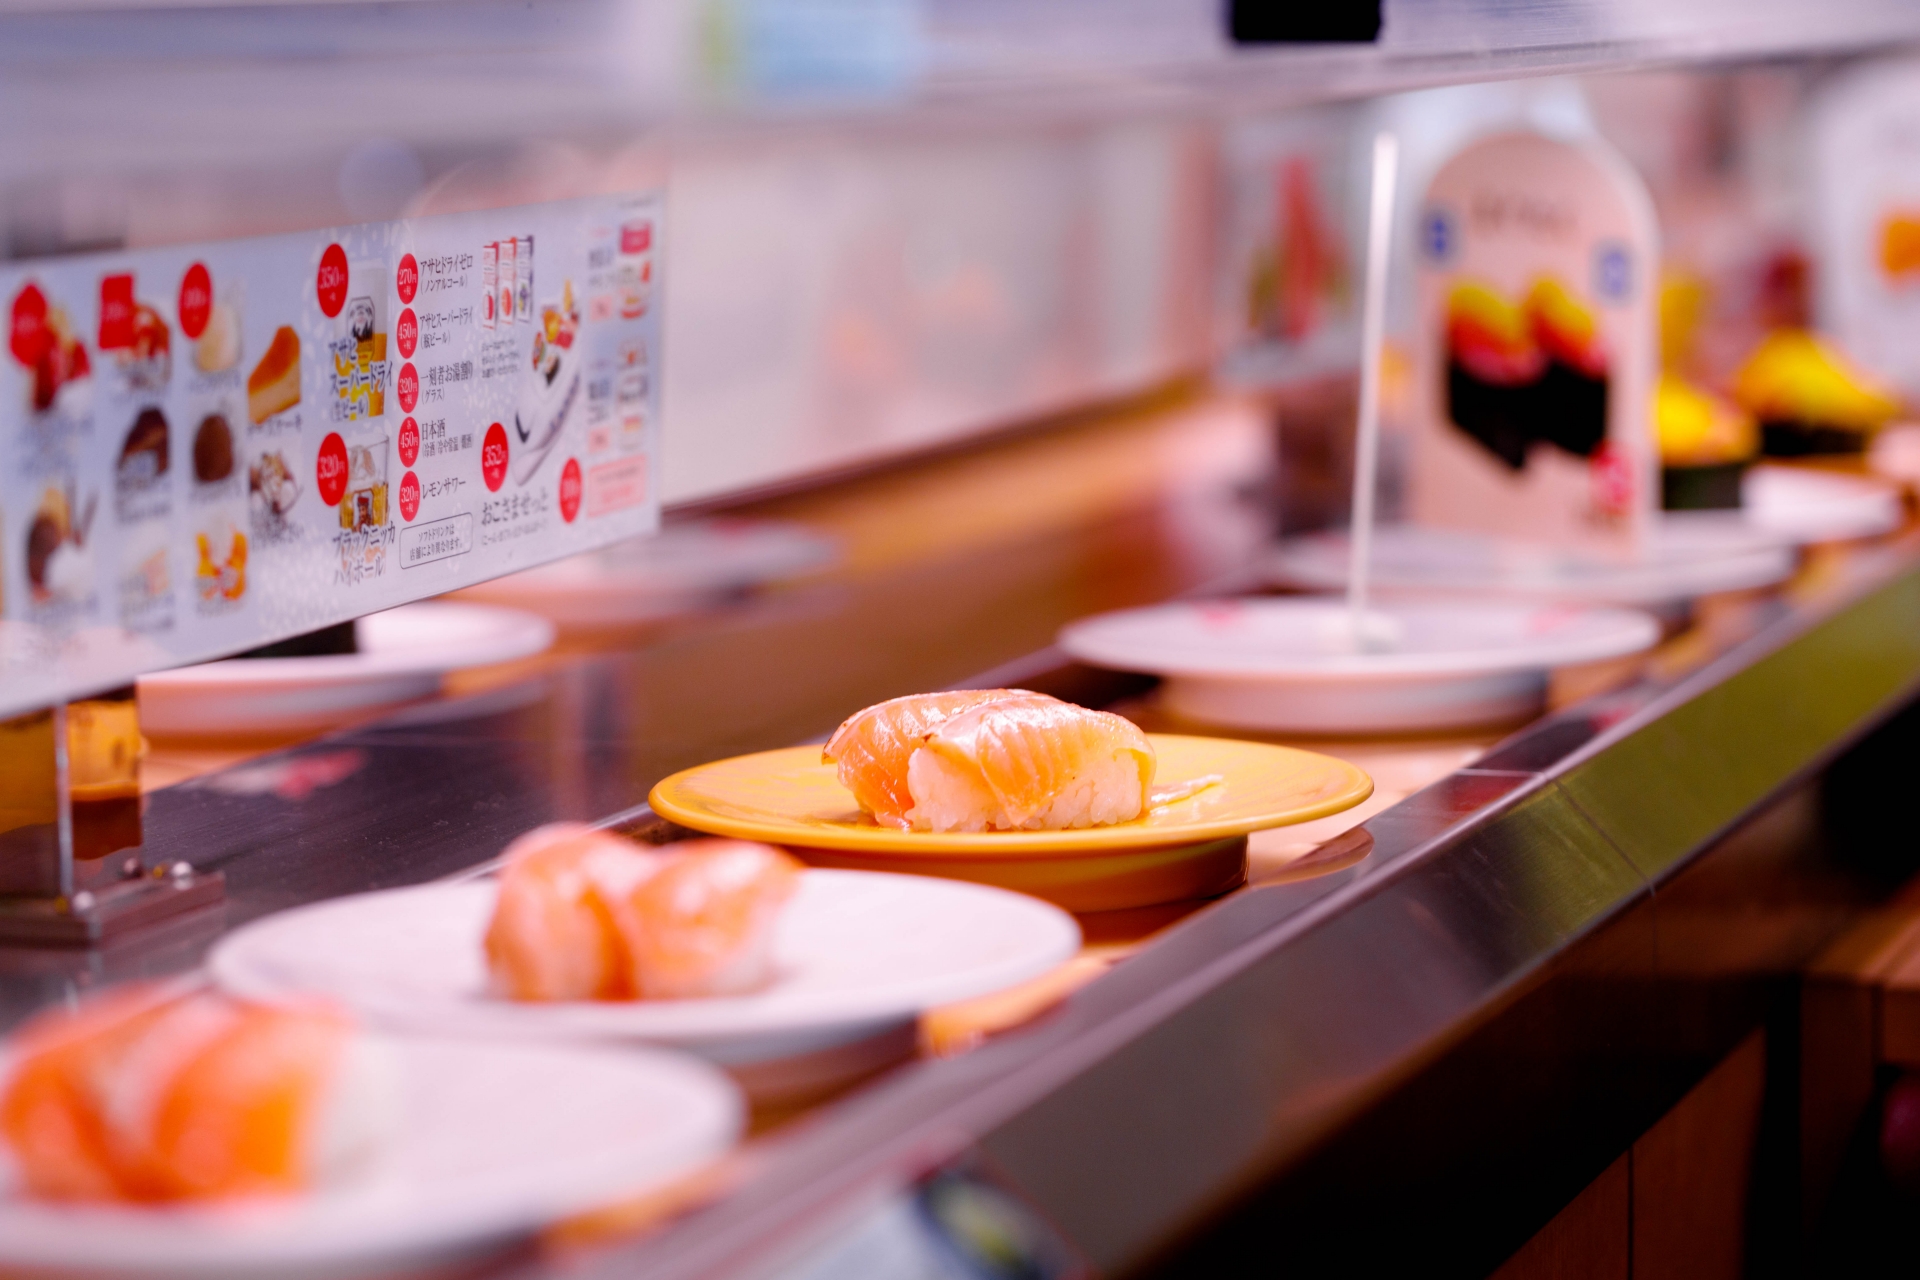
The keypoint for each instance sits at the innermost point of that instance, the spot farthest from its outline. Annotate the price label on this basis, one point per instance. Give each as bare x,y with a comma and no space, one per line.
409,496
406,278
330,282
570,490
28,335
330,470
493,457
408,386
409,442
406,331
196,300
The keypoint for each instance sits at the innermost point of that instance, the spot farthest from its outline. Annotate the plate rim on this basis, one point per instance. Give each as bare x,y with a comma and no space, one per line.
398,1239
1127,837
353,668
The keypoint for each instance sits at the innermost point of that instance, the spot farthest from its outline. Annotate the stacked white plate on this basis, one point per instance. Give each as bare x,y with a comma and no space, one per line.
1689,553
403,655
1686,559
681,569
1292,664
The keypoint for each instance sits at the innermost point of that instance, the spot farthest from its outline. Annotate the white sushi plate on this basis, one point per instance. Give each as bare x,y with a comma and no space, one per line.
491,1141
1797,506
1290,664
404,654
678,570
857,954
1683,560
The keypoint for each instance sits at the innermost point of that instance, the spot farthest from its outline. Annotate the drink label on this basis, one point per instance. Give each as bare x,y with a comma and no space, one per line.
1537,271
208,448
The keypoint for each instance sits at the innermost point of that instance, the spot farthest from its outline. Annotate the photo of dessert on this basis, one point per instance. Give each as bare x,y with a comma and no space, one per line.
59,561
274,385
144,453
147,360
220,568
218,347
212,449
45,342
272,491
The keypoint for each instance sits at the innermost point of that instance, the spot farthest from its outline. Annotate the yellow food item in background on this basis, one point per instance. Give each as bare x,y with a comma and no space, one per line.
1697,428
1795,376
1683,304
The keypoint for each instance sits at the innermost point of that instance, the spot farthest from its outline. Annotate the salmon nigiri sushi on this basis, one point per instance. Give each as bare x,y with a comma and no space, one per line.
994,759
149,1095
588,915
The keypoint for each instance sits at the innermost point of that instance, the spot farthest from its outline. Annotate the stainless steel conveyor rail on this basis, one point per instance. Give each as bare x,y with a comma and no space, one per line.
1418,1059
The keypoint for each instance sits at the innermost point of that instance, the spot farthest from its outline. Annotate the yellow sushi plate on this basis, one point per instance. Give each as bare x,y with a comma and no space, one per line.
1189,848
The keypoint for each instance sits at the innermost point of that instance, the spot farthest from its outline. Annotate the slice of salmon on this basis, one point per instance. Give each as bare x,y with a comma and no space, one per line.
704,924
872,747
552,935
1029,754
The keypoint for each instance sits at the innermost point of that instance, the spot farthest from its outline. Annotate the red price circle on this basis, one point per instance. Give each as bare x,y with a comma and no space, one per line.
331,280
330,470
570,491
408,385
409,442
406,278
406,331
28,337
409,496
196,300
493,457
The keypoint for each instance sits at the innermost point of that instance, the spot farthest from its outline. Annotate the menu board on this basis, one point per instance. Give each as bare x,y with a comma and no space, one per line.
1538,261
1866,204
204,449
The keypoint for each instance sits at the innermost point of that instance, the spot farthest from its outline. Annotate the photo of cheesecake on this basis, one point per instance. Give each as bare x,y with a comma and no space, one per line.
274,385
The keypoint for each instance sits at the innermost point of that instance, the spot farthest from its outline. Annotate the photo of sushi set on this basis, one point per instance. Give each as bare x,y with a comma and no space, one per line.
897,642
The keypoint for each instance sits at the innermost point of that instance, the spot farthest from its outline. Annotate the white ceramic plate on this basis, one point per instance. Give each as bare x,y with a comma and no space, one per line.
858,953
1794,506
680,569
403,655
1290,664
1682,562
493,1141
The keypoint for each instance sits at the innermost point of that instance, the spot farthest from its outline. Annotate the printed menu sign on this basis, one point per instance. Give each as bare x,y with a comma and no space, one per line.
206,449
1536,345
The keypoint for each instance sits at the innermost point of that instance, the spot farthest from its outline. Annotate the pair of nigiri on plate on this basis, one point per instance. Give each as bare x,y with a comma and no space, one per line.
588,915
153,1094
